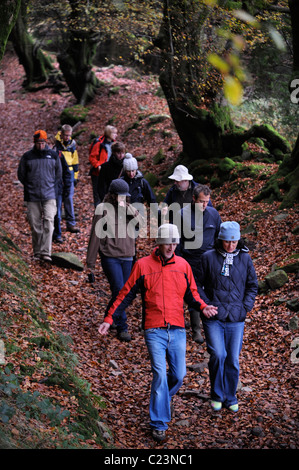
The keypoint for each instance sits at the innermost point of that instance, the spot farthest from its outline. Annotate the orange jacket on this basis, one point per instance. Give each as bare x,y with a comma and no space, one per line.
164,288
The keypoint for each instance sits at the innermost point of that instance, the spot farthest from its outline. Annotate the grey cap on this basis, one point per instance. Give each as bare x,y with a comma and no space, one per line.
167,234
120,187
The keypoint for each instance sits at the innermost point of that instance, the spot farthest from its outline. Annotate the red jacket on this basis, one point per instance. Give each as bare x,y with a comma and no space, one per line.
98,154
164,287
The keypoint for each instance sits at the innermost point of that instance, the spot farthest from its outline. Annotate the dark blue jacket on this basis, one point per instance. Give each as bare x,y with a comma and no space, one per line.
140,189
38,171
202,232
234,295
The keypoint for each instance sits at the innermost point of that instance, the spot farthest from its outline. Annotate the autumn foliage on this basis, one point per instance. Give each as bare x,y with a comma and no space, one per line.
120,372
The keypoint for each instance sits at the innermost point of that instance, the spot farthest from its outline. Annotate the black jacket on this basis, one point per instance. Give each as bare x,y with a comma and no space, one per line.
110,170
39,171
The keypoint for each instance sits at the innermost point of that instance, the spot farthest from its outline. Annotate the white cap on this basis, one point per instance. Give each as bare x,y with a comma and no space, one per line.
167,234
180,173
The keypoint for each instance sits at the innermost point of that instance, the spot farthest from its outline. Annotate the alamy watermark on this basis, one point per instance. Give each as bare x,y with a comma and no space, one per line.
2,353
295,353
2,92
121,224
295,93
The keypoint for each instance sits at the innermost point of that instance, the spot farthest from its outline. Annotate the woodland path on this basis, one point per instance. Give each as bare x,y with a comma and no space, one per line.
269,379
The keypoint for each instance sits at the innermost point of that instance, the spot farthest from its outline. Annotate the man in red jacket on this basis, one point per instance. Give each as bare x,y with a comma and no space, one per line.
165,282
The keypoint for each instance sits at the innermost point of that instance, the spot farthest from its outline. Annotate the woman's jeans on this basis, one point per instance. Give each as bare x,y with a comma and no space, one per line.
165,346
224,343
117,272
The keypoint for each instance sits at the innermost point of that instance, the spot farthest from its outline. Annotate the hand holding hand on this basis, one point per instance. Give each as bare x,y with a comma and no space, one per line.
210,311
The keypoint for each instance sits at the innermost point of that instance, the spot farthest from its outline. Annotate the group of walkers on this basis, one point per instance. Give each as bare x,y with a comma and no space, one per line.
198,260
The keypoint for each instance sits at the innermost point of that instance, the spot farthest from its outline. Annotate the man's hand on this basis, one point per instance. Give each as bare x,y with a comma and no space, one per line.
104,328
209,311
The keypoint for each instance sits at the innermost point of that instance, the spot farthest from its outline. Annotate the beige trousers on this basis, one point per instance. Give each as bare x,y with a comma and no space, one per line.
41,218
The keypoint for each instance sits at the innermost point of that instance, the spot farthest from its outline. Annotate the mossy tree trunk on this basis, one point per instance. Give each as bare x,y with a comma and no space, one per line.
36,64
9,13
193,88
284,185
193,91
76,56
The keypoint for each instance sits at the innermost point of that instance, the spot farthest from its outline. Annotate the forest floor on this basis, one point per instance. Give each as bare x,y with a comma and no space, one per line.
268,392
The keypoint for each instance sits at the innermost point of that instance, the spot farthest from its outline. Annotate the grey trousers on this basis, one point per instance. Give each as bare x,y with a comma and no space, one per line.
41,219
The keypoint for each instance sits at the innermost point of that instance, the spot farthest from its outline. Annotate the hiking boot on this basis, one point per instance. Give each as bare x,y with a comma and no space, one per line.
47,258
197,337
158,435
195,325
124,336
72,229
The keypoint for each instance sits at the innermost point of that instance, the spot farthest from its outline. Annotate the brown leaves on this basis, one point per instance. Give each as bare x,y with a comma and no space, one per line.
75,308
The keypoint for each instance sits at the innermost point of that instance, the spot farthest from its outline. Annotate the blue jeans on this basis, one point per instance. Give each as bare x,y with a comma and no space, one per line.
117,272
69,205
57,219
224,343
165,346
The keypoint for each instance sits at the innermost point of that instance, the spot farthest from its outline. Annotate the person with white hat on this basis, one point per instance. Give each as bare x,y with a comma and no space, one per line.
165,282
181,191
139,188
226,278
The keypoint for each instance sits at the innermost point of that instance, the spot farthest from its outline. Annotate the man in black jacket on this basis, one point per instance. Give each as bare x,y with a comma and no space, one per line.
39,171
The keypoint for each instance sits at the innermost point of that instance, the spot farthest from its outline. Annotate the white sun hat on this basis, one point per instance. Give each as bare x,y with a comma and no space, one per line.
180,173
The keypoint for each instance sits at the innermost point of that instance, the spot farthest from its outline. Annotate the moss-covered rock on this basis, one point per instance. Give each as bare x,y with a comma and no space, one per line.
73,115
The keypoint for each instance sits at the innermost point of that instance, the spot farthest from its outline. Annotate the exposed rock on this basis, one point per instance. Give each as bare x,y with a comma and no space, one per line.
291,268
293,323
67,260
293,304
276,279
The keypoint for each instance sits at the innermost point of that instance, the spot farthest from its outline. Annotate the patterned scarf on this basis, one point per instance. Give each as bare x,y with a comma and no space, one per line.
228,260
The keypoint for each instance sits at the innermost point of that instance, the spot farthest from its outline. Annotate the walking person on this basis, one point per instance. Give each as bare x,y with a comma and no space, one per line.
113,238
39,170
111,169
181,192
226,278
99,153
139,188
200,223
165,282
66,146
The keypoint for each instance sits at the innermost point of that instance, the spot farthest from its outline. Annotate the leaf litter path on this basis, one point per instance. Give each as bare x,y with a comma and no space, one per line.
268,377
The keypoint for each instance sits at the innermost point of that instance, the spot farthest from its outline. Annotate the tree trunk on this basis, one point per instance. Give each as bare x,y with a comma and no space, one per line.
79,49
76,65
284,185
9,13
194,91
193,88
36,64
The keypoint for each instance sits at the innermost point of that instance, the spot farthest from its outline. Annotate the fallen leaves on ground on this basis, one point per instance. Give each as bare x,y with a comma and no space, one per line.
268,378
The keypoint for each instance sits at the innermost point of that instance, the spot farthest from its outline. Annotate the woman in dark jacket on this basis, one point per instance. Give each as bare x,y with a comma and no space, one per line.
226,278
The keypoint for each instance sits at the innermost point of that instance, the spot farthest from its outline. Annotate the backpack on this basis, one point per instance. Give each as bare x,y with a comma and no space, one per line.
95,141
